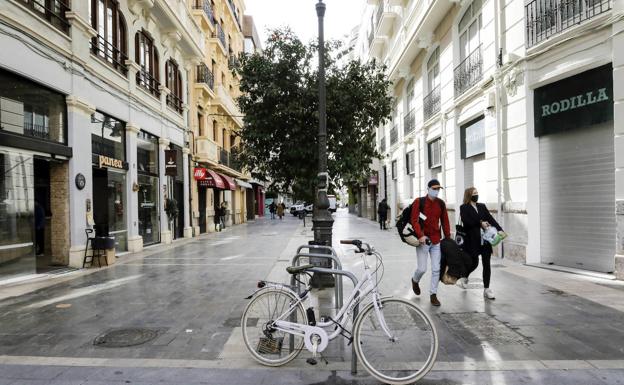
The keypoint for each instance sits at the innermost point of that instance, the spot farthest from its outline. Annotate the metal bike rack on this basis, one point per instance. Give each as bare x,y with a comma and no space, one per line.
337,265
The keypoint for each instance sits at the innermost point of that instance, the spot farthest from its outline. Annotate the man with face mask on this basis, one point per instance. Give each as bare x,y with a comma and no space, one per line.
429,234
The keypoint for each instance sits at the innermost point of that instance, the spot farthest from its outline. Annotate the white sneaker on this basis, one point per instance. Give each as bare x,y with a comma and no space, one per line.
463,283
489,294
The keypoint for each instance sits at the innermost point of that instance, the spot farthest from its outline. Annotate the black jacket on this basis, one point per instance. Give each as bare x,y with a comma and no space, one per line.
471,219
382,209
457,260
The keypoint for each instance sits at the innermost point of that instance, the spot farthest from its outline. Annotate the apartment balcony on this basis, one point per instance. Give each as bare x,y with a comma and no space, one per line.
175,102
546,18
431,103
203,9
227,103
110,54
205,76
53,11
224,157
148,82
385,16
175,17
409,122
394,135
469,72
207,151
382,145
235,15
219,36
377,46
233,61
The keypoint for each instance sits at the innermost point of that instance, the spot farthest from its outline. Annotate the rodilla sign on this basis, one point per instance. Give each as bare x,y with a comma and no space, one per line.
579,101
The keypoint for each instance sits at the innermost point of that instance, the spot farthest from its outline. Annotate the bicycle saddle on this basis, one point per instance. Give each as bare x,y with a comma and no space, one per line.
298,269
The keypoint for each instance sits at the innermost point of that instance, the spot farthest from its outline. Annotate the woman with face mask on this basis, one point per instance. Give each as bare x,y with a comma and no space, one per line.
475,216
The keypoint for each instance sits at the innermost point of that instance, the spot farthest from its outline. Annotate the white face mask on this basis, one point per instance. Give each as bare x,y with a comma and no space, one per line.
433,193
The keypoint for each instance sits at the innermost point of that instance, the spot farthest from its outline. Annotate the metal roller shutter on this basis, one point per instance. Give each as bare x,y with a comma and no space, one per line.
577,198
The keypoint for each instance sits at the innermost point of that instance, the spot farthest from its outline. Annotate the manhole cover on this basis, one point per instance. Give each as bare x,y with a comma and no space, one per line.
476,328
120,338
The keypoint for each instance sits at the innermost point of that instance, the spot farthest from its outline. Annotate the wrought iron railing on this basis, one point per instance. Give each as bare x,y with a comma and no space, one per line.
468,72
204,75
219,34
36,130
207,7
431,103
51,10
149,82
233,61
382,145
546,18
233,8
224,157
175,102
409,122
394,135
109,53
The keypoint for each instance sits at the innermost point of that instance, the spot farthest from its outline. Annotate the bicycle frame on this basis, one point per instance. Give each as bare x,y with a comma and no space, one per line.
363,289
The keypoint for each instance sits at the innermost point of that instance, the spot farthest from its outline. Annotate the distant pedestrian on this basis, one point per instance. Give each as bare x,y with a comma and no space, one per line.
475,217
382,212
40,220
272,209
223,213
217,218
280,210
429,235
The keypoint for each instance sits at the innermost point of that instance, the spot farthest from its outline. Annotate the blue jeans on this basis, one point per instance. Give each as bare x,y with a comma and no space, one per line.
422,252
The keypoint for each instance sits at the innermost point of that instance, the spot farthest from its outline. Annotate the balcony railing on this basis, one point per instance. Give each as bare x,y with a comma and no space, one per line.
546,18
233,8
51,10
382,145
224,157
204,75
233,61
219,34
109,53
235,163
207,7
36,131
147,81
175,102
394,135
409,122
469,72
431,103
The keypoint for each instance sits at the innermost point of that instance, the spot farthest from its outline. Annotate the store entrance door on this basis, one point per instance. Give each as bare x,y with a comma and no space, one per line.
249,193
43,216
178,195
202,208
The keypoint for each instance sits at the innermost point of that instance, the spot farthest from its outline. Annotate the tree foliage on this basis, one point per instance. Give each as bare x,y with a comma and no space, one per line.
280,104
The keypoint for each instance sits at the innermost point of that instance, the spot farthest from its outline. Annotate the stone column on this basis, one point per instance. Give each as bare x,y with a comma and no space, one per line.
188,230
618,123
79,139
165,233
59,202
135,241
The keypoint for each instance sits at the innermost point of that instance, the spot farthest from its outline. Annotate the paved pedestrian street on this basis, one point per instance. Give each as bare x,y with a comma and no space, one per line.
186,300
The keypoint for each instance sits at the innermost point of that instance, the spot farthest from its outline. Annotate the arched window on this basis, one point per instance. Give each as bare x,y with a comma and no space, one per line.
110,43
215,131
174,84
223,138
469,30
146,56
433,70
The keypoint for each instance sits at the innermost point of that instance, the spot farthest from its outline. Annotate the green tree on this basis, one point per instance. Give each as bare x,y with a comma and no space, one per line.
280,103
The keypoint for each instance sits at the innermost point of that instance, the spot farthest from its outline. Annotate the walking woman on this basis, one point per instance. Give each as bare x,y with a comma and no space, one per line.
475,216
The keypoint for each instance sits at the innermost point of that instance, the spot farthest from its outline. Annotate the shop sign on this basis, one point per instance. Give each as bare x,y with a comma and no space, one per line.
171,165
199,173
473,138
582,100
110,162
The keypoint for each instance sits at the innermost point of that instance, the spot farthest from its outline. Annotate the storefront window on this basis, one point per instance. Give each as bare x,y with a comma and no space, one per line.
17,215
109,178
29,109
148,194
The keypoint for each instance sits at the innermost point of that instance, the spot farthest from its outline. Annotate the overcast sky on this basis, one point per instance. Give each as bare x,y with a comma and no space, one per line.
340,17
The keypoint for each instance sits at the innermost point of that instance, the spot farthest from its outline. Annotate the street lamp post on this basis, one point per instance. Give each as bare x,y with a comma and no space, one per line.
321,218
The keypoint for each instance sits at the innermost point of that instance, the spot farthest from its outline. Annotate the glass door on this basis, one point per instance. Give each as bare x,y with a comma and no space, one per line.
149,220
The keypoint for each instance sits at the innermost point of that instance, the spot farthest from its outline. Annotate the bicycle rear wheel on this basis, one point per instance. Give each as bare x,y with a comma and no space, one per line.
269,346
411,352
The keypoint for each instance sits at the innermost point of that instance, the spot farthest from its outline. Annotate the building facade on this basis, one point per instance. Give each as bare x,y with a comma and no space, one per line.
521,99
94,116
218,180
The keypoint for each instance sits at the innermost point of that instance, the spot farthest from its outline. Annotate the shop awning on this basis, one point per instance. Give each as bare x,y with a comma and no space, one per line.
228,181
243,184
207,178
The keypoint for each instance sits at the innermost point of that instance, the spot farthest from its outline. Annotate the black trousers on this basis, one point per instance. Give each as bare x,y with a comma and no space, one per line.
382,221
486,254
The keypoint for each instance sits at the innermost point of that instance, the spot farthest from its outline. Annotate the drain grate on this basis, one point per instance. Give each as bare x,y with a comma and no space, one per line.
120,338
476,328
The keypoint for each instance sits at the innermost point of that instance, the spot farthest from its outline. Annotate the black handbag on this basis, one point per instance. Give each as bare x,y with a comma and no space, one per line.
460,233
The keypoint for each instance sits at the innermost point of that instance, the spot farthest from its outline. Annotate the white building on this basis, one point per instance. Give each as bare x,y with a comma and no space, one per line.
522,100
93,103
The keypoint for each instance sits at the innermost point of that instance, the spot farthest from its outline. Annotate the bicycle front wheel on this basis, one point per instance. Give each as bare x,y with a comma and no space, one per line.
267,345
410,351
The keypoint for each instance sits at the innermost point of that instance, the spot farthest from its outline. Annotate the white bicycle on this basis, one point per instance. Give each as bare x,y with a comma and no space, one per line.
394,339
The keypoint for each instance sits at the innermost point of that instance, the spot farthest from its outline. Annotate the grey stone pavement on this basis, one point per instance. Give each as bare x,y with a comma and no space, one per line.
544,327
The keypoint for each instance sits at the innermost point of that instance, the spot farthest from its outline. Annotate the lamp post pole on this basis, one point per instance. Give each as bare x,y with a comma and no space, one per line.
321,219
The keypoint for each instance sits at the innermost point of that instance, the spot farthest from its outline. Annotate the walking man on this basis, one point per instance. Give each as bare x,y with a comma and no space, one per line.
382,211
429,235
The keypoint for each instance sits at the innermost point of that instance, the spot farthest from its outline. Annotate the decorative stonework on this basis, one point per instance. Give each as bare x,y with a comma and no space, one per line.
78,22
80,106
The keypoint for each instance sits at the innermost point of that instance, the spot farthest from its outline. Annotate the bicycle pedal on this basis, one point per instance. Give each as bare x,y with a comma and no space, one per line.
311,361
